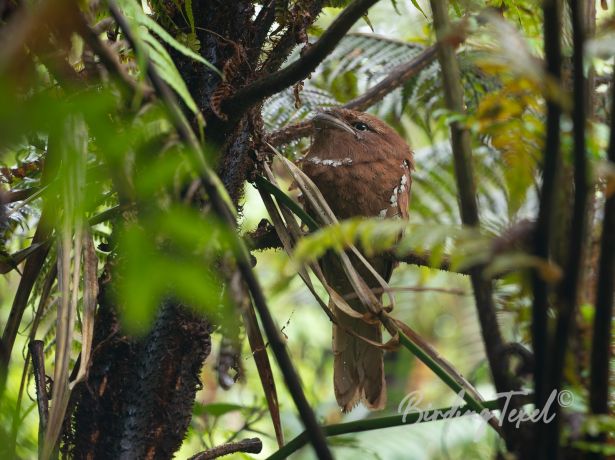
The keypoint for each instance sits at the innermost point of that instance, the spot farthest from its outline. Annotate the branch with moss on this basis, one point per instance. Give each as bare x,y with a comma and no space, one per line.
36,348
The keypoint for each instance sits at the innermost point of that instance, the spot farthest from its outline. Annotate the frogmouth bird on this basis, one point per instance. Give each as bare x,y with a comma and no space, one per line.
362,167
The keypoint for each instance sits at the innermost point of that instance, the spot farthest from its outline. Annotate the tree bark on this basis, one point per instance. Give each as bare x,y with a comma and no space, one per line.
137,402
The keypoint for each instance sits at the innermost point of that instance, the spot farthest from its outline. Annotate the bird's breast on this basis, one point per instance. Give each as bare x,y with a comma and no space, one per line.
354,187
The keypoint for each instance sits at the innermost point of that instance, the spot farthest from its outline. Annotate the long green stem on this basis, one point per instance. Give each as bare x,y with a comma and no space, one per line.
446,377
266,186
358,426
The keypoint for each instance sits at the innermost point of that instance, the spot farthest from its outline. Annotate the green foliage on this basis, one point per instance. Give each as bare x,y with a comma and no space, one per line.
374,235
158,53
137,176
168,255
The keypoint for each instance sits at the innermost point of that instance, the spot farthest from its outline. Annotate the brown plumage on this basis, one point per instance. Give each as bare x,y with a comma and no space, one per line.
362,167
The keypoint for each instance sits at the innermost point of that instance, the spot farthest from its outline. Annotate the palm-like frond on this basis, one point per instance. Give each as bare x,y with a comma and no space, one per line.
360,62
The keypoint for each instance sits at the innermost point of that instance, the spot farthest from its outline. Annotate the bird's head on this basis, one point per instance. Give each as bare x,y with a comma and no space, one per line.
344,132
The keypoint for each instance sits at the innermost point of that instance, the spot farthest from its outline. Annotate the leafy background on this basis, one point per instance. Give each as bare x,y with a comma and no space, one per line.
503,96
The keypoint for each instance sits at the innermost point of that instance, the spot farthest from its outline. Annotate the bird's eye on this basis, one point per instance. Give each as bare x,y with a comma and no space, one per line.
360,126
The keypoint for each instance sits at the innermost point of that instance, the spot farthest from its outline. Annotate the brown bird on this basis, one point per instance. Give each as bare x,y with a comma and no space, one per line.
362,167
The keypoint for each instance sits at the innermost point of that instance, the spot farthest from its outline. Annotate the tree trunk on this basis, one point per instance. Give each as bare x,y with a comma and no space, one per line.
137,402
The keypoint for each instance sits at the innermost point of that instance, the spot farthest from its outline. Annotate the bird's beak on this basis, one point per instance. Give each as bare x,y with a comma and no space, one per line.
326,120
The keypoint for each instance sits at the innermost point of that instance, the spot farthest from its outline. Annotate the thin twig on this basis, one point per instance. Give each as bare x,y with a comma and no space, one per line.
37,354
220,205
570,284
544,224
250,445
246,97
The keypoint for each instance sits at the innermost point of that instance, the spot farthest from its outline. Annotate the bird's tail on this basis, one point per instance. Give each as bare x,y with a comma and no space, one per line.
358,373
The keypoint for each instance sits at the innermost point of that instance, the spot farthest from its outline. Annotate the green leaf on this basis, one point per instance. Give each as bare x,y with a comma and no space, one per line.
415,3
152,25
266,186
217,409
369,23
394,3
168,71
374,235
190,14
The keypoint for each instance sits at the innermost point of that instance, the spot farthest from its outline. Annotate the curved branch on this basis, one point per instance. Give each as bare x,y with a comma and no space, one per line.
301,68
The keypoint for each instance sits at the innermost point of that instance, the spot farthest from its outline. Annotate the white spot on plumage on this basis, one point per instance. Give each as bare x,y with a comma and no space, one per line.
398,190
393,199
329,162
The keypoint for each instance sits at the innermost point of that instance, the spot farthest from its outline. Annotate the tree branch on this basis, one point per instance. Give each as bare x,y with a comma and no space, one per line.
222,209
36,348
11,196
460,140
250,445
569,287
468,206
267,86
305,16
544,224
396,77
